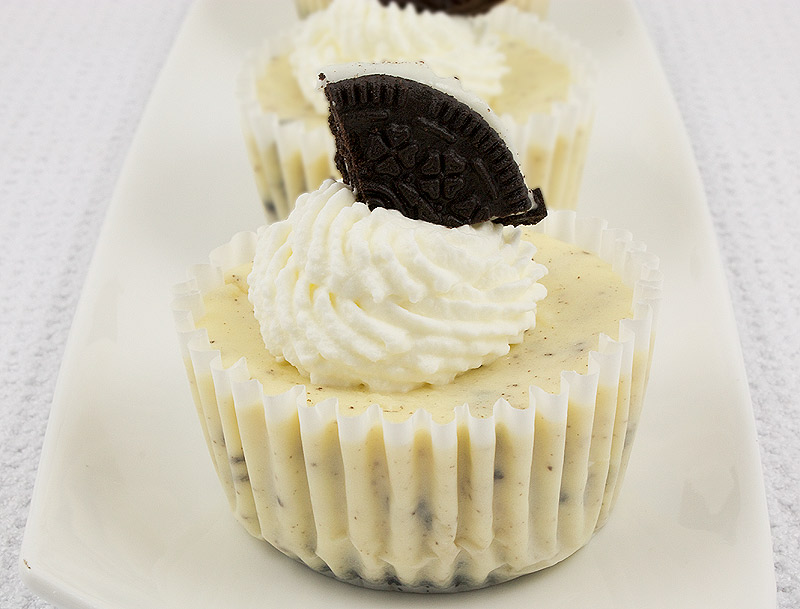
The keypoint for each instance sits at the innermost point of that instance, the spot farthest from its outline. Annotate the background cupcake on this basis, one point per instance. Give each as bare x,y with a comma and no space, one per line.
538,80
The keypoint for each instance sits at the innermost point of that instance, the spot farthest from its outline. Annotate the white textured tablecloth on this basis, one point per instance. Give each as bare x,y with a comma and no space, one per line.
74,78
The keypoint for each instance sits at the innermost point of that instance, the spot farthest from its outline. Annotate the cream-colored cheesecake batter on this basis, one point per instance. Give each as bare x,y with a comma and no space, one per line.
533,83
585,298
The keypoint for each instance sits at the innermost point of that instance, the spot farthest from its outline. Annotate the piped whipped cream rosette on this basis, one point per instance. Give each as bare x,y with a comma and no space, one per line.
535,78
404,404
351,296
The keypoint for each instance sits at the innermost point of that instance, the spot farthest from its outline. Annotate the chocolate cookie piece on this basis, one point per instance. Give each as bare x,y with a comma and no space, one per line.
407,146
452,7
534,215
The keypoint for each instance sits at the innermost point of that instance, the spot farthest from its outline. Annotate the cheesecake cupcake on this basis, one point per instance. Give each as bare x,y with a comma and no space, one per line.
539,81
453,7
420,380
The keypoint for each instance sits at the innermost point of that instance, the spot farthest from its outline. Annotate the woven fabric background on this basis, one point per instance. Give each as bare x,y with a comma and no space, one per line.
74,79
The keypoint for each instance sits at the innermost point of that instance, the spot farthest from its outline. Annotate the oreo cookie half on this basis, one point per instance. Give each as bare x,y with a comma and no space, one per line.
451,7
405,145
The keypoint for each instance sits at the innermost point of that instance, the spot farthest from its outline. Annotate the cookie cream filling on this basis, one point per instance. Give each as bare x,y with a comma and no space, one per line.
365,30
353,297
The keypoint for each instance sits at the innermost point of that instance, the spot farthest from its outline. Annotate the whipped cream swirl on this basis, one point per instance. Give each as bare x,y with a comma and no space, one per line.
367,31
351,296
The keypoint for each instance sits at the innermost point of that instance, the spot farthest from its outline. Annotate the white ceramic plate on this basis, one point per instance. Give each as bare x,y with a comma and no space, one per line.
127,511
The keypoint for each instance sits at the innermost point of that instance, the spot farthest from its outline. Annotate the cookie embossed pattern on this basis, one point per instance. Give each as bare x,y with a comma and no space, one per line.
412,149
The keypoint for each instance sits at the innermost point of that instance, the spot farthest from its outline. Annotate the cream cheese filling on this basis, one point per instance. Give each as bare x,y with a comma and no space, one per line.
585,298
534,83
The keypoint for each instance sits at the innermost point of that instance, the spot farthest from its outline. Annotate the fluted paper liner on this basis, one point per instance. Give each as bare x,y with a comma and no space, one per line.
420,505
290,158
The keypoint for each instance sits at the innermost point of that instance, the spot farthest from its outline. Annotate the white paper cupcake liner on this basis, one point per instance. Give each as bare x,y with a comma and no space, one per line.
289,158
419,505
540,7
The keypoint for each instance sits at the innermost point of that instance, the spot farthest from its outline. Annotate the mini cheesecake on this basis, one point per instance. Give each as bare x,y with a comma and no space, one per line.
538,80
427,383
